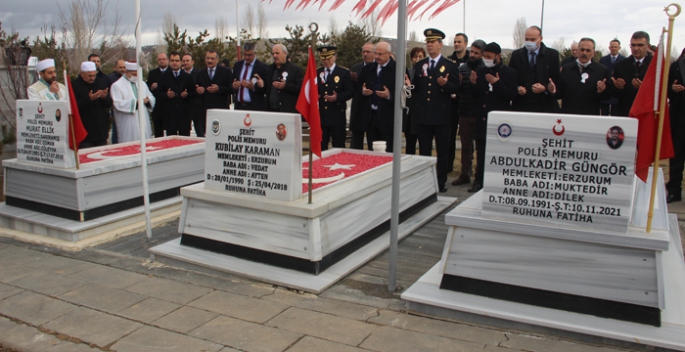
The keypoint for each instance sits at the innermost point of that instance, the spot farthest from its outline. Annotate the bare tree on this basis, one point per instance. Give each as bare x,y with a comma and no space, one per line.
85,30
333,27
221,28
560,46
262,22
249,19
520,32
413,37
372,24
168,22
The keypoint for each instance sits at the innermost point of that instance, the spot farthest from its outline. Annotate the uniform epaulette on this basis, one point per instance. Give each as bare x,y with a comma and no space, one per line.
454,61
344,67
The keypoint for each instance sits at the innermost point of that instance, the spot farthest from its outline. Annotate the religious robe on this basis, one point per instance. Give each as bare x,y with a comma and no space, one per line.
124,95
41,91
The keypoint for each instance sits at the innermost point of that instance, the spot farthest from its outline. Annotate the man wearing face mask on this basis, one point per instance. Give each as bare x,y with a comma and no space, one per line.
467,111
494,87
582,84
629,73
535,64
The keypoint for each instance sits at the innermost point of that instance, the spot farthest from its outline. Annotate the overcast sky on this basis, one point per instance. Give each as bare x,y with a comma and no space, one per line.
490,20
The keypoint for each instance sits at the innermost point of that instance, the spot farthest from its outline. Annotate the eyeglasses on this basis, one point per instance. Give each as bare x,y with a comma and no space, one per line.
638,45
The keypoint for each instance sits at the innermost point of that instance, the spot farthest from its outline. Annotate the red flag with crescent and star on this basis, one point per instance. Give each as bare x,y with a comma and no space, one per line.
80,132
308,105
644,107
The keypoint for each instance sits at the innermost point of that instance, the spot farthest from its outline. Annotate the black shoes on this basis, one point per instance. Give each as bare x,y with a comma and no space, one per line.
462,180
673,198
443,188
475,188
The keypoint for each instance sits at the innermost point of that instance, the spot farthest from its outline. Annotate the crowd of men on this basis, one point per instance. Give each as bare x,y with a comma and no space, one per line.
450,95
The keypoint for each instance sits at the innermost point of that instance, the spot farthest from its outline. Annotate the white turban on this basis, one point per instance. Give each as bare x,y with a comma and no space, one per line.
131,66
45,64
88,66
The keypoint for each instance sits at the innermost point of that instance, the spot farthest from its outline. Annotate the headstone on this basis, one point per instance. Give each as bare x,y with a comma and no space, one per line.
254,153
569,171
42,133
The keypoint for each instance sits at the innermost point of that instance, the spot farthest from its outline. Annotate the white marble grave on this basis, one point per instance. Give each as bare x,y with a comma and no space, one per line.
538,271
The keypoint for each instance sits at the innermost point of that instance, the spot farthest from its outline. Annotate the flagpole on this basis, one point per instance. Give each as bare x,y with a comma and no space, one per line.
141,125
71,118
662,106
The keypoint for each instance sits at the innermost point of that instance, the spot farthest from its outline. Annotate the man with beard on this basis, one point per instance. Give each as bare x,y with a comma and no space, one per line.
283,82
494,86
152,82
436,79
47,87
119,70
95,58
460,56
176,88
676,94
582,84
467,112
125,99
368,56
535,64
93,100
249,80
629,73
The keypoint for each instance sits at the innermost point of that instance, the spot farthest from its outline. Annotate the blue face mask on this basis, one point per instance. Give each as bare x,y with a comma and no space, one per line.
531,46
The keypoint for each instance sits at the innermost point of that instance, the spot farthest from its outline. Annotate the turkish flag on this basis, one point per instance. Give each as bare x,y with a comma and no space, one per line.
643,109
308,105
79,131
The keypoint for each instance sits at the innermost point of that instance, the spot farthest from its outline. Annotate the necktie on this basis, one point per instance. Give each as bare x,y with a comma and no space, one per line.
613,59
532,59
176,74
242,89
637,65
328,73
211,73
432,64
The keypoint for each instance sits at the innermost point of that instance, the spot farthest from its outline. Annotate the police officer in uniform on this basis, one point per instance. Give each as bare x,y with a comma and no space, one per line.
335,89
436,78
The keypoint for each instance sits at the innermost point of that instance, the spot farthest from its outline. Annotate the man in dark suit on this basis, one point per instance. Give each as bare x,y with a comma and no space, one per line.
152,83
194,103
535,64
214,85
283,82
629,73
574,55
248,73
676,94
176,88
608,106
494,86
119,70
368,56
582,84
335,89
378,88
435,80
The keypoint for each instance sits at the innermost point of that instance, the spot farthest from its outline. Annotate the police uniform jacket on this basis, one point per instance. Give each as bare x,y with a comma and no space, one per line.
497,96
340,82
432,102
578,95
628,70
